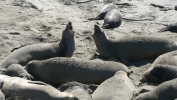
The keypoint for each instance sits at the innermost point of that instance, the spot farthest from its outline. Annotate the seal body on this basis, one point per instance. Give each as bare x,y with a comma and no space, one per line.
171,28
60,70
18,88
165,91
104,11
168,64
112,19
23,55
118,87
132,49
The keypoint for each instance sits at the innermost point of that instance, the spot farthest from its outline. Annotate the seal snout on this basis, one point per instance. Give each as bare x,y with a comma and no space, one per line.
69,26
96,28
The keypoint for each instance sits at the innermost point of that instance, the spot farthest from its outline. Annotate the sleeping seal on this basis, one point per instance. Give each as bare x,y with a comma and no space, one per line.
118,87
162,69
165,91
16,88
112,19
131,49
60,70
23,55
104,11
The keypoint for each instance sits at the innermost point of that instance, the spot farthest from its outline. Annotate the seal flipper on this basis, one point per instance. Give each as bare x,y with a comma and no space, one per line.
37,82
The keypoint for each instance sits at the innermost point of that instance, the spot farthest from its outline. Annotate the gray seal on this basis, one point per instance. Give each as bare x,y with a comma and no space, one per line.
165,91
64,48
112,19
118,87
131,49
104,11
160,73
21,89
168,64
60,70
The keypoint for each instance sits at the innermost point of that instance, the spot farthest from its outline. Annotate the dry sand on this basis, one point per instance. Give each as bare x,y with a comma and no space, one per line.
25,22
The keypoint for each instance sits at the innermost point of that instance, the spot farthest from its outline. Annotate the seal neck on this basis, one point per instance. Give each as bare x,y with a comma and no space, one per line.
103,46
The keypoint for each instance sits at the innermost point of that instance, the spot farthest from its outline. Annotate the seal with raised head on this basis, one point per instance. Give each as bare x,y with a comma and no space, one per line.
21,89
168,64
131,49
60,70
112,19
165,91
118,87
64,48
104,11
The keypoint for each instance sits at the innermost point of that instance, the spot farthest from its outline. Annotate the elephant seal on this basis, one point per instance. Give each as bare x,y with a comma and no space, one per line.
112,19
171,28
118,87
131,49
160,73
16,70
23,55
104,11
22,89
165,91
73,69
165,60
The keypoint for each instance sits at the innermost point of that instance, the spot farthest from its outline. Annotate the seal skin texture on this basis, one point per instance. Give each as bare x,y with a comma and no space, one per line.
21,89
104,11
168,64
112,19
118,87
131,49
64,48
60,70
165,91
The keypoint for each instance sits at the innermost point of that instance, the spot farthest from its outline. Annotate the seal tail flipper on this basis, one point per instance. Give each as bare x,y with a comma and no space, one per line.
37,82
